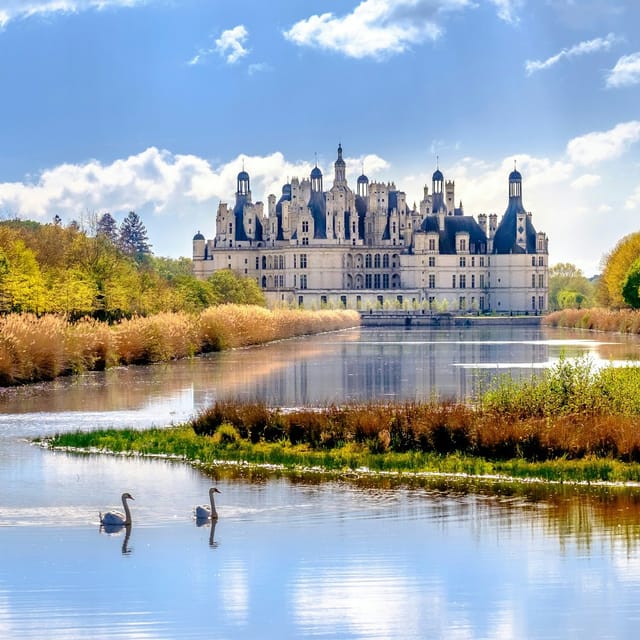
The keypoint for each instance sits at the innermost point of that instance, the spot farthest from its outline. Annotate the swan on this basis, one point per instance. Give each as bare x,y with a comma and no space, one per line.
204,512
115,517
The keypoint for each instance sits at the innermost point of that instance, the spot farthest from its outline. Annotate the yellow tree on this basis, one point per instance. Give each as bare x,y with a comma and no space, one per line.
615,267
22,284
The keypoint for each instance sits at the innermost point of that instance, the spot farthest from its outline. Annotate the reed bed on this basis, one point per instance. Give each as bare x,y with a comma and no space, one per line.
571,411
596,319
36,348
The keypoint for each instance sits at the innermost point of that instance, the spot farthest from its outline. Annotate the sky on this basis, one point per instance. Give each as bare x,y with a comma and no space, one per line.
156,105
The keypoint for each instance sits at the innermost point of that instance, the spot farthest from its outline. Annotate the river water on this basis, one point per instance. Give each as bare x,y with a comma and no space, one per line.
304,558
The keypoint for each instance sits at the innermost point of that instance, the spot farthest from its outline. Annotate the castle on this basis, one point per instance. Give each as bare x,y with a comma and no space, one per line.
369,249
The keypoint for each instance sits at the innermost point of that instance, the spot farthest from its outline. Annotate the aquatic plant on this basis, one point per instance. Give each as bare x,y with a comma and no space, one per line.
34,348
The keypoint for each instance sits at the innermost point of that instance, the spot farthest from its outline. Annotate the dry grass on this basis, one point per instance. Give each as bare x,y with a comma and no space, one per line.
597,319
40,348
434,427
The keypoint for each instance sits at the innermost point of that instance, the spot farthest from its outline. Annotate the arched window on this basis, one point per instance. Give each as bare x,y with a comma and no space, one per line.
367,261
376,261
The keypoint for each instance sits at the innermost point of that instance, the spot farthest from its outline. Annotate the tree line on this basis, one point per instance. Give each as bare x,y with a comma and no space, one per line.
107,272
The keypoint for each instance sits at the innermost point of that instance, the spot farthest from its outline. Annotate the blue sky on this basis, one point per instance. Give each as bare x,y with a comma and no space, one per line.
154,105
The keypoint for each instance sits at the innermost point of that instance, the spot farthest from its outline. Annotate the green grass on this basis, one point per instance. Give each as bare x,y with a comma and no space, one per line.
572,424
206,451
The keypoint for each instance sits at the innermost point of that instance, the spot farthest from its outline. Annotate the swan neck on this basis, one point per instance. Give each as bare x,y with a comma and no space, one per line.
127,513
214,513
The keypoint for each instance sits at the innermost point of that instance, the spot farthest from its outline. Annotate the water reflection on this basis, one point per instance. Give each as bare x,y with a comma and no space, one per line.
306,556
117,529
355,365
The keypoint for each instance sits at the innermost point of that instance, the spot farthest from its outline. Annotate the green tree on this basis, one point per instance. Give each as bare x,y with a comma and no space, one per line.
568,287
107,227
228,287
631,286
133,237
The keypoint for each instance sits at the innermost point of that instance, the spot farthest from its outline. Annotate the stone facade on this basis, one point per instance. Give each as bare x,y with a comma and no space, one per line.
368,248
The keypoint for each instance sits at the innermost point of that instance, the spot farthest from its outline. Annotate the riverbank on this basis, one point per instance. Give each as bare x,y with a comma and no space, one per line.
596,319
34,349
207,453
571,424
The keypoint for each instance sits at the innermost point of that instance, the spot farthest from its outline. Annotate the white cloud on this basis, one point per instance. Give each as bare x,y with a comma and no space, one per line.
20,9
375,28
586,181
580,49
259,67
603,145
230,44
507,9
626,71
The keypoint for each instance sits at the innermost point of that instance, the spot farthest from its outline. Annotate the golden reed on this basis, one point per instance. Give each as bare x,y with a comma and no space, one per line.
36,348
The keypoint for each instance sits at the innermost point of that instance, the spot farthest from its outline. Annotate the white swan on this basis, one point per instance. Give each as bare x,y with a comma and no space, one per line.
115,517
204,512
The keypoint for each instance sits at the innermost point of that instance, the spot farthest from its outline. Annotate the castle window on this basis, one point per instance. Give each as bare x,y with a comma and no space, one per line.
463,261
482,261
453,281
463,281
481,303
303,260
541,280
385,261
473,261
473,281
533,261
533,279
376,281
231,227
305,241
540,261
482,280
432,261
541,302
367,261
385,280
462,302
533,302
367,281
432,281
376,261
303,281
305,226
432,244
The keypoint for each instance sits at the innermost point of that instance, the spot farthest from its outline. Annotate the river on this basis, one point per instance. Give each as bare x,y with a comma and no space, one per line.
294,558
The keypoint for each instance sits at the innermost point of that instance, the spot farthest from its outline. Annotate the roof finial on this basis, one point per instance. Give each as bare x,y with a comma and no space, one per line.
437,162
514,165
243,164
316,156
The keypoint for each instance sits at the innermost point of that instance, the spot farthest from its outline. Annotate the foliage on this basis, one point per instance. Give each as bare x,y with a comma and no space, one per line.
47,268
133,238
631,286
228,287
107,227
615,267
568,287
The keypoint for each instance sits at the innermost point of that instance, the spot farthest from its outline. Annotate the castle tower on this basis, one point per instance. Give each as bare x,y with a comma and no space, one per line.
340,169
